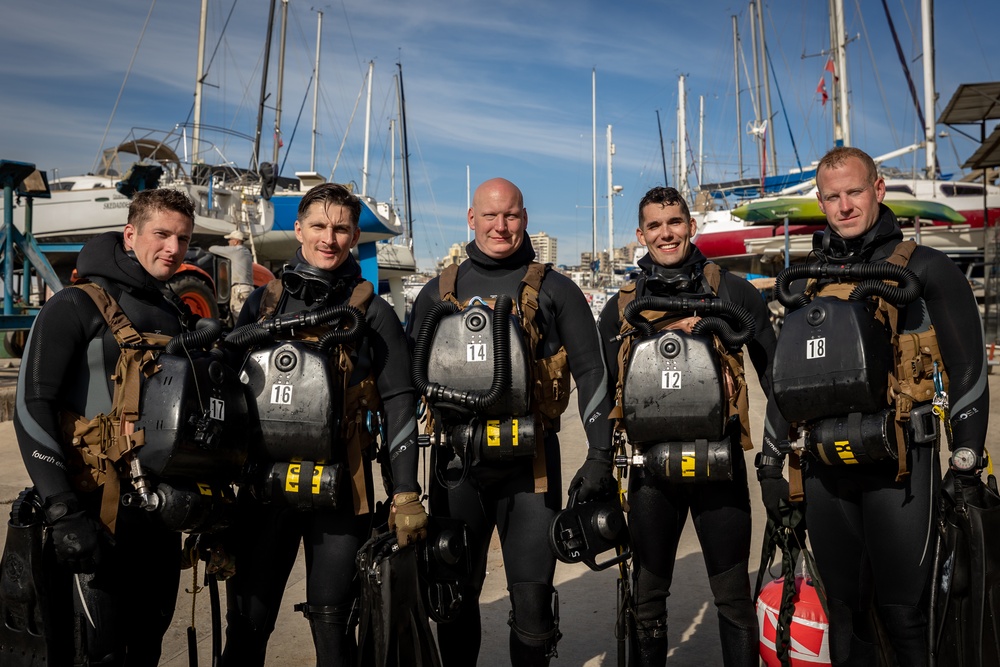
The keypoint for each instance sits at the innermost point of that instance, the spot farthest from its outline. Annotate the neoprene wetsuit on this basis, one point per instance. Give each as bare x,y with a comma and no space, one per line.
268,534
872,536
720,510
67,366
502,496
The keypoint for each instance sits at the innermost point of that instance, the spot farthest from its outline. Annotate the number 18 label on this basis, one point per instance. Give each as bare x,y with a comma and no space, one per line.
816,348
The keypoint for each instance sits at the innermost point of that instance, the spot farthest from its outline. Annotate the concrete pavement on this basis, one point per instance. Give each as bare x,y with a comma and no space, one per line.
587,599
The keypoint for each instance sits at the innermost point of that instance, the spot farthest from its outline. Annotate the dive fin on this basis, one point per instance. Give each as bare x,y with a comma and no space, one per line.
967,582
394,630
36,627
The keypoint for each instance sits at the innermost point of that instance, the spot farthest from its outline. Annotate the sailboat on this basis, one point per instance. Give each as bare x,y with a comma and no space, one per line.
931,203
185,158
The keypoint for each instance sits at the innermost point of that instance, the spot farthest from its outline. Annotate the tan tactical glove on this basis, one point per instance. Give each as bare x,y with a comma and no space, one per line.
408,518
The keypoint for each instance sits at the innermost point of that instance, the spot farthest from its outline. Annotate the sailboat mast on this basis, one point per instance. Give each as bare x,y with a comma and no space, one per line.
319,37
199,82
392,163
368,125
756,62
701,139
406,157
281,80
255,158
927,22
767,82
593,150
682,137
611,210
663,155
841,129
739,117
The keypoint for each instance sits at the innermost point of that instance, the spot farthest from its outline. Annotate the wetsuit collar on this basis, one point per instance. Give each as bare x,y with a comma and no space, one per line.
524,255
875,245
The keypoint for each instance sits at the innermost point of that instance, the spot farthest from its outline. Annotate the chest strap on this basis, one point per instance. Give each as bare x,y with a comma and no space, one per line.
102,447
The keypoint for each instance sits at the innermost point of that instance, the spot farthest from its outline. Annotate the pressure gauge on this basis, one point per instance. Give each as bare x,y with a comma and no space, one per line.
964,459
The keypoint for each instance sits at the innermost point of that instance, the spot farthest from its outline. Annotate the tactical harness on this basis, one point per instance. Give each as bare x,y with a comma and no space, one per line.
195,408
735,376
359,399
549,376
98,445
916,357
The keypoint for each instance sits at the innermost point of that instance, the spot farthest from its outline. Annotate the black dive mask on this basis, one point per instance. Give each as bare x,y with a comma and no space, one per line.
310,284
671,282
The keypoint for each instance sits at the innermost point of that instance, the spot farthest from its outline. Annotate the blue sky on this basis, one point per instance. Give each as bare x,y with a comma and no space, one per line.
503,87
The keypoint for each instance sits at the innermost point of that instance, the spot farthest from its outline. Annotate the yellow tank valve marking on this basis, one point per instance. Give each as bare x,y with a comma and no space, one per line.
493,433
317,478
204,489
687,466
844,451
292,479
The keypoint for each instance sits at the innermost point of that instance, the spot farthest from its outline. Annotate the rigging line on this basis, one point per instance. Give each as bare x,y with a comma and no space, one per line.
784,111
350,122
295,127
878,79
902,61
135,52
211,59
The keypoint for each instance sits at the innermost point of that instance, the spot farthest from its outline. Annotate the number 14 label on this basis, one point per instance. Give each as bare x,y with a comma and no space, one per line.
816,348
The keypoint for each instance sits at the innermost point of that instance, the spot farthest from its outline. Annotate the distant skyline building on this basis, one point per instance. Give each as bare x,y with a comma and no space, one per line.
545,247
456,255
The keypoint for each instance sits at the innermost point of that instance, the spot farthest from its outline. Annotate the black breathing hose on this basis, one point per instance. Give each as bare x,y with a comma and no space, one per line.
475,400
206,332
871,277
721,326
257,334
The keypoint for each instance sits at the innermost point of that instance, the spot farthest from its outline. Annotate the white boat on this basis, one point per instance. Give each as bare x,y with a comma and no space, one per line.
81,207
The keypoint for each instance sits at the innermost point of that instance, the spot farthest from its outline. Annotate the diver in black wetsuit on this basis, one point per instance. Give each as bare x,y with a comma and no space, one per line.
658,507
870,524
516,498
130,586
267,534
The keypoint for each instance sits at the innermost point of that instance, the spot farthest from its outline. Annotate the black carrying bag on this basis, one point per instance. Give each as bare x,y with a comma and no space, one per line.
966,589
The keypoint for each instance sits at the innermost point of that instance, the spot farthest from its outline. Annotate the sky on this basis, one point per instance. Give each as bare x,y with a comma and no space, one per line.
496,89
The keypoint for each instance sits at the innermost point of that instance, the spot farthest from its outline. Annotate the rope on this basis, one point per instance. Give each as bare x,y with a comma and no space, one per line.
121,90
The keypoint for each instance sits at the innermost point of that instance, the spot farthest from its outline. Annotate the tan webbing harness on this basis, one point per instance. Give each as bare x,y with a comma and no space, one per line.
732,362
359,399
911,381
101,448
549,376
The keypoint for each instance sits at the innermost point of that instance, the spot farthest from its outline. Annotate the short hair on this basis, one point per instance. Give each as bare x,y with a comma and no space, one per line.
836,157
145,203
331,194
664,196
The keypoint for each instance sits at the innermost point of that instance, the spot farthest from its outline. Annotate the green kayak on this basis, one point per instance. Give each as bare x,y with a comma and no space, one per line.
806,209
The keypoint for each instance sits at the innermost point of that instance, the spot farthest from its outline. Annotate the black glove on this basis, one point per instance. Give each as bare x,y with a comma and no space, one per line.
773,491
76,536
595,478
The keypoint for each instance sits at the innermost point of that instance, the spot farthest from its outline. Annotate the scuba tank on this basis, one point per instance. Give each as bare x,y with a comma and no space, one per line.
674,398
296,391
483,415
834,358
194,416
